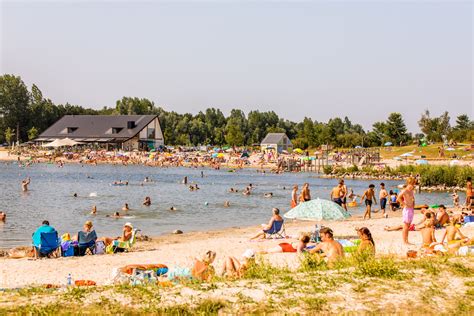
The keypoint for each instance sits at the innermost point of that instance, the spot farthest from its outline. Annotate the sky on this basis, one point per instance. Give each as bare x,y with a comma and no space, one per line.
320,59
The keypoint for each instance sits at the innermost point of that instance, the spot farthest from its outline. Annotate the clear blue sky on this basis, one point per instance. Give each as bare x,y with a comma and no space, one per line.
314,58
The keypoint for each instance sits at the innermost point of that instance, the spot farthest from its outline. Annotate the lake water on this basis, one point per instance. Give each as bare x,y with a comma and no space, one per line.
51,197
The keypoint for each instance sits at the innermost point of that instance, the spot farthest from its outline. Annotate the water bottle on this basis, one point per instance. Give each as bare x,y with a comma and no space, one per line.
316,233
69,280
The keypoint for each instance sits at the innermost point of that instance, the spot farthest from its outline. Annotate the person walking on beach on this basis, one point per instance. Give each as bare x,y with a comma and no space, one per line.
469,193
369,196
25,183
383,195
406,198
337,193
294,196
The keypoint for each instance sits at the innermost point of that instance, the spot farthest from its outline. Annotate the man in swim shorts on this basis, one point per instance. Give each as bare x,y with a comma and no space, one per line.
406,198
383,194
337,193
369,196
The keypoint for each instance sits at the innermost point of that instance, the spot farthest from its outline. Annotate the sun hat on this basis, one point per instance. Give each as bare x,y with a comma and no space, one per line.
249,253
129,225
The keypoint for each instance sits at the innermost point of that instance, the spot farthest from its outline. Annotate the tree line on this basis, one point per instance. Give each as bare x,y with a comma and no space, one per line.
24,114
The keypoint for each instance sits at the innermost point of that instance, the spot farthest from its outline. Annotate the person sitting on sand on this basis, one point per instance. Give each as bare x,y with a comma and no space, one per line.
147,201
25,183
428,233
126,235
394,205
442,217
3,216
94,210
125,207
453,235
297,247
203,269
233,268
268,195
332,250
275,218
367,244
44,228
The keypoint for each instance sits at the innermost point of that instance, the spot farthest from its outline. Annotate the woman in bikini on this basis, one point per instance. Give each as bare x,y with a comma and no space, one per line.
297,247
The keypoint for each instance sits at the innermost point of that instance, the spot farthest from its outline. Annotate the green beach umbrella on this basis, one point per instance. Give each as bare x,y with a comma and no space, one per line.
318,210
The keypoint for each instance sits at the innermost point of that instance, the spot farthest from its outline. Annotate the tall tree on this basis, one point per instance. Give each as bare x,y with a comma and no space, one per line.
396,129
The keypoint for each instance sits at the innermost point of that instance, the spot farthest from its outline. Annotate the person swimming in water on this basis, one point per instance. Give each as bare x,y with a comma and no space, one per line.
268,195
3,216
173,208
115,215
226,204
125,207
147,201
25,183
94,210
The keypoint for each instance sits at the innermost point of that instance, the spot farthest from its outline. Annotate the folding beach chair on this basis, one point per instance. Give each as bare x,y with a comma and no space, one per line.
49,244
277,230
86,242
123,246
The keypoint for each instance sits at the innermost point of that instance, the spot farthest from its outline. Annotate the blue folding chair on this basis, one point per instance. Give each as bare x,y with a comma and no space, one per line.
86,241
277,230
49,243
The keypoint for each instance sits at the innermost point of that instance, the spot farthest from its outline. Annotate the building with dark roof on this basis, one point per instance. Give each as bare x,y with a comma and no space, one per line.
124,131
276,141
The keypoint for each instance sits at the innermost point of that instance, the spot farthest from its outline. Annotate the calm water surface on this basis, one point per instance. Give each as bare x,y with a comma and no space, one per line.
51,197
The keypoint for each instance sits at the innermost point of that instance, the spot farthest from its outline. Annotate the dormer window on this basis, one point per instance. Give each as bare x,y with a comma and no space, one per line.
116,130
71,130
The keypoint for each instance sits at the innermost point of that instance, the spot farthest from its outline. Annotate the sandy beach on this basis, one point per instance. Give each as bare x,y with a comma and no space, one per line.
179,251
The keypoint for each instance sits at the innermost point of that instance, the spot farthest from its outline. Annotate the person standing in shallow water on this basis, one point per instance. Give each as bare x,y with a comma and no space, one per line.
369,196
294,196
24,184
305,193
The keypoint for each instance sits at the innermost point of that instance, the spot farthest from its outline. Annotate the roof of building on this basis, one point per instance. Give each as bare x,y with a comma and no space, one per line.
273,138
97,127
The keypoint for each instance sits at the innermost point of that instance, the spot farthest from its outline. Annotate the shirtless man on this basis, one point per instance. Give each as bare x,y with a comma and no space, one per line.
332,250
383,195
25,183
337,193
369,196
344,195
469,192
406,198
305,193
125,207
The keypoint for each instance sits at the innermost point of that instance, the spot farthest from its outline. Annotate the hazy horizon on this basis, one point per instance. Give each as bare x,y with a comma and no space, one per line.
318,59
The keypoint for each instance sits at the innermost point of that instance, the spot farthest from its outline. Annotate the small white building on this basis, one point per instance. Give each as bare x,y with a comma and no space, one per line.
277,142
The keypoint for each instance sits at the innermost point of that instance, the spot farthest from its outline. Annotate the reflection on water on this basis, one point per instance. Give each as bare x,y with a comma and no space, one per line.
52,188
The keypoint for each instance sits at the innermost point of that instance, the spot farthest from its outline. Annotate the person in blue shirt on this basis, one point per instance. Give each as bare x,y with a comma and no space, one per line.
44,228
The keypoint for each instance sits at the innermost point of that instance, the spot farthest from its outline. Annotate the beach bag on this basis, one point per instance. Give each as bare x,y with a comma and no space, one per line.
99,248
67,249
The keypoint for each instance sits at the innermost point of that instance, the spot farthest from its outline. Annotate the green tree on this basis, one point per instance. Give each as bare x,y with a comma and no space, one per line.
32,133
9,134
395,129
131,106
14,104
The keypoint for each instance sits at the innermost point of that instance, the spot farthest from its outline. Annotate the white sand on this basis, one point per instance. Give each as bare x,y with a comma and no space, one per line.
181,249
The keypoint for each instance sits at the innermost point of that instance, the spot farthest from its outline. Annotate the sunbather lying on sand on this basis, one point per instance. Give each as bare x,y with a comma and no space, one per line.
298,247
203,269
332,250
417,226
233,268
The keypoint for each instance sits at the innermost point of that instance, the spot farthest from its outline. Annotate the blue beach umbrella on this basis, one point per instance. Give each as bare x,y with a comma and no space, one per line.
318,210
